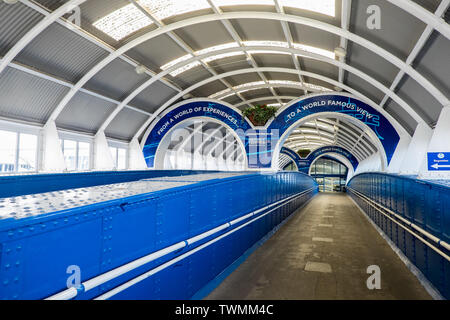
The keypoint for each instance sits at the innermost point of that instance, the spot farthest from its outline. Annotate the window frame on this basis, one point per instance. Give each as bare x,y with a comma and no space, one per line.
18,129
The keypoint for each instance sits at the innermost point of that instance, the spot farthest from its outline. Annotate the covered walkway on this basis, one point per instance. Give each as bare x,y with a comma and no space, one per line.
322,252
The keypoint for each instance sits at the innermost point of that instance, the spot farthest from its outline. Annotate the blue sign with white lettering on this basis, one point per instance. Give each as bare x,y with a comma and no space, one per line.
438,161
260,142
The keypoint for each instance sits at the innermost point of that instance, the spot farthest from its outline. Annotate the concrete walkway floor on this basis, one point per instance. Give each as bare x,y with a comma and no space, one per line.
323,252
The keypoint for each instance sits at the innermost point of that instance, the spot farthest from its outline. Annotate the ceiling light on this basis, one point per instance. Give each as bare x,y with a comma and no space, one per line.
340,52
140,69
311,49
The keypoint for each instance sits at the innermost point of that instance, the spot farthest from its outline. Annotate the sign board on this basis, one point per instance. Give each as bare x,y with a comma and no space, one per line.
438,161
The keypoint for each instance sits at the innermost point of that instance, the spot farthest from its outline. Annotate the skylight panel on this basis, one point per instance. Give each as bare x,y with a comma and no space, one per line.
267,52
224,3
267,43
218,94
316,87
184,68
162,9
222,56
327,7
249,84
123,22
218,47
322,52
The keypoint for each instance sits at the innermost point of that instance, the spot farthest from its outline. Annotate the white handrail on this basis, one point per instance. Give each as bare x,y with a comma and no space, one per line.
107,276
408,223
187,254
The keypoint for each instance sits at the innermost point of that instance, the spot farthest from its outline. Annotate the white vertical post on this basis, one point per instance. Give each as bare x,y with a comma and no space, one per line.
417,150
439,142
52,155
399,154
136,158
103,160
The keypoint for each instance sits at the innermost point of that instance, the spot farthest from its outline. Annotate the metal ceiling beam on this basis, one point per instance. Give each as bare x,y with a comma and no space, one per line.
280,70
91,38
443,6
267,86
350,69
254,15
345,24
181,43
233,33
289,39
267,98
208,137
36,30
42,75
297,137
432,20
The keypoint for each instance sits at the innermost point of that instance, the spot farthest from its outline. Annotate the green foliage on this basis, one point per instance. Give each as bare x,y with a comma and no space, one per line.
303,152
260,114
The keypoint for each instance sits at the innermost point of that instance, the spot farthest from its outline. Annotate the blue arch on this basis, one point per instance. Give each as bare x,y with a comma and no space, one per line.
292,154
192,109
303,164
262,142
353,107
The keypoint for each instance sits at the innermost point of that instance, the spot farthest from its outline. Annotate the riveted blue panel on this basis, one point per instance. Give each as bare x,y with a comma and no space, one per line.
425,204
36,251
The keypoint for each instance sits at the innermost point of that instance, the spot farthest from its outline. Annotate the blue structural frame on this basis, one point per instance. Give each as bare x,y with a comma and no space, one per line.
304,164
262,141
17,185
421,203
35,252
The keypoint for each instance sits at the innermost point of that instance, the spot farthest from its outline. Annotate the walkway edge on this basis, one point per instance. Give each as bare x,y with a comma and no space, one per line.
213,284
434,293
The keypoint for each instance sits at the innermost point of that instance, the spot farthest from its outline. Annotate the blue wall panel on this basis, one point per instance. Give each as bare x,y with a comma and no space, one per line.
425,204
36,251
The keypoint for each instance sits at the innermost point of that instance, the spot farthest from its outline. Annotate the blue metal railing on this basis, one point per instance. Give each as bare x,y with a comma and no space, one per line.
415,215
208,225
17,185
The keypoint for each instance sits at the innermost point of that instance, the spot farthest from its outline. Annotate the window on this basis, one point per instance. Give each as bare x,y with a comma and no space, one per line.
8,148
76,154
119,156
84,150
28,145
18,152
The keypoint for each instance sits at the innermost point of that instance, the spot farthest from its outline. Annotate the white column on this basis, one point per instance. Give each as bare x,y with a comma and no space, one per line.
52,155
103,160
440,142
370,164
399,154
136,158
417,150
